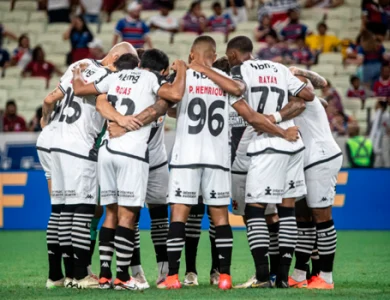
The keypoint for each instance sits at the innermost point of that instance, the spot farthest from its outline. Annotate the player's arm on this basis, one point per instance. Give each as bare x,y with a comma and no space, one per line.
317,80
49,105
81,88
261,123
154,111
174,91
110,113
294,108
233,87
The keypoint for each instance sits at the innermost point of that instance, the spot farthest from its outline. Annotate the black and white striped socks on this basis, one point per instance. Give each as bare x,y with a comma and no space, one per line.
53,243
106,251
175,244
288,236
326,242
65,238
224,245
124,246
159,231
273,252
214,251
258,238
81,239
136,258
193,231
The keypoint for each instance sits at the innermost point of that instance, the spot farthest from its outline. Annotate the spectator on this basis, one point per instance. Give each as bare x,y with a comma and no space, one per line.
220,22
360,152
109,6
293,30
4,60
79,36
58,11
263,29
356,90
350,53
96,50
90,9
39,67
35,123
322,42
339,122
302,54
371,54
131,29
237,10
22,54
273,51
330,94
277,10
6,33
323,3
194,21
374,17
164,21
11,121
382,86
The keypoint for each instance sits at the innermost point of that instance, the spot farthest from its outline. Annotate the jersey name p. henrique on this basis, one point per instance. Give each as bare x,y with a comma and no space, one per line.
316,134
202,131
130,92
78,121
268,85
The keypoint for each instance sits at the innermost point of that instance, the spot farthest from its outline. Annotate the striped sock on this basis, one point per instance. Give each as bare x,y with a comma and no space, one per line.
303,250
224,245
273,252
214,251
315,260
65,237
193,230
258,238
94,233
53,244
136,258
175,244
159,231
288,236
327,241
124,246
81,239
106,251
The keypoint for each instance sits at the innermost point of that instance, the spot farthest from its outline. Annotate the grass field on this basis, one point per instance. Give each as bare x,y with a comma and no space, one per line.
362,271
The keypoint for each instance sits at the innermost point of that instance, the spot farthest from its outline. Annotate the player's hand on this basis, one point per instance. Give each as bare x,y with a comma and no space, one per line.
115,130
293,69
130,123
77,72
292,134
83,66
178,63
194,65
271,118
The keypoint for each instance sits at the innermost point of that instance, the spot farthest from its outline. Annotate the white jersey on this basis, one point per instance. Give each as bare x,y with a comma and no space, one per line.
202,131
316,134
130,92
268,85
79,123
156,144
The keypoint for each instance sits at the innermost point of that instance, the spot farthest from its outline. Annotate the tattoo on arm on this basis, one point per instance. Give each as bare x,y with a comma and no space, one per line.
318,81
154,111
293,109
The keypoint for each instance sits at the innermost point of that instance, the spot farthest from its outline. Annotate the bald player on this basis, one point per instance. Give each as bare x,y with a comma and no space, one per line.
73,166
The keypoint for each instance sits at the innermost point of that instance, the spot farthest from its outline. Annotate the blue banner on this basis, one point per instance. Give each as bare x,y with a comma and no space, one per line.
362,201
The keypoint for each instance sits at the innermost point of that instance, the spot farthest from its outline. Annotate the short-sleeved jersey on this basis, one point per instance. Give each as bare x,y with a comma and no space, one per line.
268,85
316,134
130,92
78,121
202,131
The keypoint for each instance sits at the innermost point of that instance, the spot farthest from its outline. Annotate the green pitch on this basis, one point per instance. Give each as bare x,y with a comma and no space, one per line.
362,271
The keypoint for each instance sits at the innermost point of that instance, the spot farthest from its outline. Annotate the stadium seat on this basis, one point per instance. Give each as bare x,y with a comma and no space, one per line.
339,13
353,3
5,6
3,98
218,37
58,28
38,16
33,83
26,5
56,59
51,39
32,28
335,25
9,83
370,103
247,27
160,38
15,16
330,58
361,115
386,44
325,70
345,70
13,26
60,48
350,34
13,72
107,28
353,104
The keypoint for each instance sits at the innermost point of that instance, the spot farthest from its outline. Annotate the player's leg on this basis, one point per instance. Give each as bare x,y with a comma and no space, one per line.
182,194
272,219
94,233
156,199
305,244
324,178
214,272
193,231
216,193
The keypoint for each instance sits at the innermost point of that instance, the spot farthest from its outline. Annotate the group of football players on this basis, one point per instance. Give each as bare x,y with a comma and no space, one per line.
236,139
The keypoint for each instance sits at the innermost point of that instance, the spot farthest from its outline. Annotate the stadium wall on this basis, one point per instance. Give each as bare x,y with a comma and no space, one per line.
362,201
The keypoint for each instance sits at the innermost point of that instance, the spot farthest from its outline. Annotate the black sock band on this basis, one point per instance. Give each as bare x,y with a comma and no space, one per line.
258,238
159,231
326,241
106,251
124,246
305,244
175,244
274,247
224,245
53,243
193,230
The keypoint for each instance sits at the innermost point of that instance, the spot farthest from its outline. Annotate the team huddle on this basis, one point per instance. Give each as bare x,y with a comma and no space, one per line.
248,131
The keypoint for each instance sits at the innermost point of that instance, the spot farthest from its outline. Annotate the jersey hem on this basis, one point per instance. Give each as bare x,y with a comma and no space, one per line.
299,89
127,155
322,161
72,154
158,166
276,151
195,166
43,149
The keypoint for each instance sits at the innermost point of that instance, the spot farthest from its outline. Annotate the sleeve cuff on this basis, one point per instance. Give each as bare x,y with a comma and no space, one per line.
299,89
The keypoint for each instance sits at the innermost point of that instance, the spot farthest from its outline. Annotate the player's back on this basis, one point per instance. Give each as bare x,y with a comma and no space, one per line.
202,124
316,134
78,121
268,86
